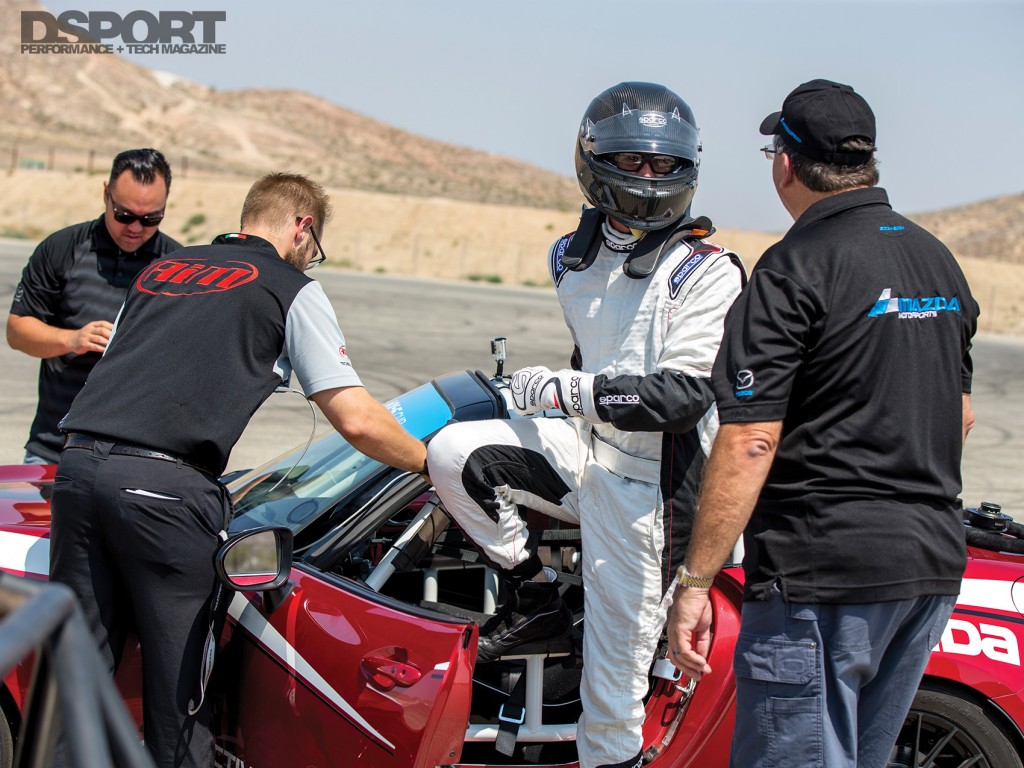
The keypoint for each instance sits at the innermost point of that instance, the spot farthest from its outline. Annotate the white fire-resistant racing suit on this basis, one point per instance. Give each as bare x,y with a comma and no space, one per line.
626,470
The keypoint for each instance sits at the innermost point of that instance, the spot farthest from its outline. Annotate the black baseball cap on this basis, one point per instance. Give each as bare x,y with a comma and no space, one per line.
818,116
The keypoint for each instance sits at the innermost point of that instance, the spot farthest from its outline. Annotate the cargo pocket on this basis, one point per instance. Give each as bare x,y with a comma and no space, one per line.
784,674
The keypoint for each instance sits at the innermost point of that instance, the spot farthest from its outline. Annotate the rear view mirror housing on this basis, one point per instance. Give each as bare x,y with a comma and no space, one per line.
256,560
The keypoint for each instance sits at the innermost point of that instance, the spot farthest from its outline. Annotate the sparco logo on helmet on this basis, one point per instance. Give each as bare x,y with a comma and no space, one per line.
653,120
174,277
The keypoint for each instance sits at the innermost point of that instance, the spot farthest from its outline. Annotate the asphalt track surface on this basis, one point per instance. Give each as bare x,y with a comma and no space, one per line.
402,332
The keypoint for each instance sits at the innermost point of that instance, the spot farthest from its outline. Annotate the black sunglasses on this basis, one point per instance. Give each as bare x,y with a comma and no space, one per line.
122,216
631,162
320,256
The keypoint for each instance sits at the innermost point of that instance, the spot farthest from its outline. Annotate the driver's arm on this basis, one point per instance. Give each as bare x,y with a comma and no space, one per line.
370,428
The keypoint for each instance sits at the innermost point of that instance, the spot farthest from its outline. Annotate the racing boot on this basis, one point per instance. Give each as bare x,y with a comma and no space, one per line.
534,611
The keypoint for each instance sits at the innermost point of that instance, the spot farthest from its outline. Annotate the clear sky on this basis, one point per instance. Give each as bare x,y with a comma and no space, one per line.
514,77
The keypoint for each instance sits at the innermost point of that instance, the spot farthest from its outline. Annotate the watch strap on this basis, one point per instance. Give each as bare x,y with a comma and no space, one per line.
687,579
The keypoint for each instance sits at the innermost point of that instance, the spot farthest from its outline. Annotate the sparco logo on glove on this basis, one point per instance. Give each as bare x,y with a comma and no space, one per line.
538,389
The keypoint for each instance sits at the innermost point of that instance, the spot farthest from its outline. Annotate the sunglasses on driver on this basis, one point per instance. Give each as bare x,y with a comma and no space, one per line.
631,162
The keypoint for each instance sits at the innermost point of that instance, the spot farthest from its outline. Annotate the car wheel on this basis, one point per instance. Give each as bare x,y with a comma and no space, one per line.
944,731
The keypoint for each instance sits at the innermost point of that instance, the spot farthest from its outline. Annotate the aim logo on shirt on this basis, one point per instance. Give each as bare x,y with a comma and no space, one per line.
928,306
188,277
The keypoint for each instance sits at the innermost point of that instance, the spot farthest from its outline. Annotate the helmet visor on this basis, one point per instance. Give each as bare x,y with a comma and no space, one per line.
645,131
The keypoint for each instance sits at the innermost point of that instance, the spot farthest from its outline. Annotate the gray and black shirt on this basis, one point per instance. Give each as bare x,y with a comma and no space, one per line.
74,277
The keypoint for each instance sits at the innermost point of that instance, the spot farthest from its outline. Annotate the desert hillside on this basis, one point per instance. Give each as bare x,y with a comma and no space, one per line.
70,112
991,230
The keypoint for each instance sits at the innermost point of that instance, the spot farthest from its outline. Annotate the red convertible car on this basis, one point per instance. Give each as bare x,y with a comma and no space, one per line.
367,655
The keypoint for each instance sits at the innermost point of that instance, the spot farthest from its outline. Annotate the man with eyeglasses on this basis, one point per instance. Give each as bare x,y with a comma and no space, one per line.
632,416
843,388
75,282
205,336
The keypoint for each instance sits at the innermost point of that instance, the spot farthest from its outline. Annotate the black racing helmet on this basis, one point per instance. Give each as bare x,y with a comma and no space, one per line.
638,117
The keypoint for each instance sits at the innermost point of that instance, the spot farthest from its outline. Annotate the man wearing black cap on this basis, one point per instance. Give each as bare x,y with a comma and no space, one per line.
843,388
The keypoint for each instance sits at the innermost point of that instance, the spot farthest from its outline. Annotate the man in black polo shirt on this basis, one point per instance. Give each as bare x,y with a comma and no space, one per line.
75,283
205,336
843,388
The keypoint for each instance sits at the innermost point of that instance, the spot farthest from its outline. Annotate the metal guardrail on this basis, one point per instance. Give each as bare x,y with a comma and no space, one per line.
72,700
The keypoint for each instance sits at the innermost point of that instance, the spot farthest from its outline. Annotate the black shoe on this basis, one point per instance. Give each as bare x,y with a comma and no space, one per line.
533,611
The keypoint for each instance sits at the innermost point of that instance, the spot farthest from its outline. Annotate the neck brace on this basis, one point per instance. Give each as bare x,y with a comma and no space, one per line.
644,252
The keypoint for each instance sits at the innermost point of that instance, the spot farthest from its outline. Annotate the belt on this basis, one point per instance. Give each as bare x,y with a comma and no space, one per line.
126,449
621,463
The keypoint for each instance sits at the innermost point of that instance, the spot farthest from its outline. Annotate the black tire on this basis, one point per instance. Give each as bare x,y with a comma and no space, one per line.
944,731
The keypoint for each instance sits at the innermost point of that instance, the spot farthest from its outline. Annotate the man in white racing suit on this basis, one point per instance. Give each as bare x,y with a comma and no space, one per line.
645,297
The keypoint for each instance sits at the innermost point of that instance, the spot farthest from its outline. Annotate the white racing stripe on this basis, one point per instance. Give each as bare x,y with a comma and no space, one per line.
27,554
993,594
247,616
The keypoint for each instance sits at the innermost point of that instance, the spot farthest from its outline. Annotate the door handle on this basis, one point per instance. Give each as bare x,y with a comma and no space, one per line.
387,671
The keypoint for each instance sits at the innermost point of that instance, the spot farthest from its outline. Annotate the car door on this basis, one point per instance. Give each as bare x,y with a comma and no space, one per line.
339,673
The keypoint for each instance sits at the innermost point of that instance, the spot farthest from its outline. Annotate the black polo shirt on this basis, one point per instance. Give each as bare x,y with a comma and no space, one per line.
854,331
75,276
205,337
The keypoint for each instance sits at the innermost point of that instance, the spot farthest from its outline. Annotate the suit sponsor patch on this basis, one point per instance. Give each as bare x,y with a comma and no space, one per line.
699,252
558,269
619,399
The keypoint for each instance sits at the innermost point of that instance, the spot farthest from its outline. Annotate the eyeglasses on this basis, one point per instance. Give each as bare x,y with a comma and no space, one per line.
770,151
122,216
320,256
632,162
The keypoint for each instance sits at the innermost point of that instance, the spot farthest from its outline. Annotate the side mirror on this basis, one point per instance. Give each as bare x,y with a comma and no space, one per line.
257,560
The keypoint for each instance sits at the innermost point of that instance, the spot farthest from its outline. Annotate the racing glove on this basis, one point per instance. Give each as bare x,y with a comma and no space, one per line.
538,388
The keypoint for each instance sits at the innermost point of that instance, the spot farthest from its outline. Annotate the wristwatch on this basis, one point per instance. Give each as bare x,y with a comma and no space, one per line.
687,579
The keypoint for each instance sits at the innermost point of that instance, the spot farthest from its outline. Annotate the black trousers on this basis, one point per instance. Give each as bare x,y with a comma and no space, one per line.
135,538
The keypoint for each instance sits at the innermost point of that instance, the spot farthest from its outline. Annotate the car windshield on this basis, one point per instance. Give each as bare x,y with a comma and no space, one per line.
296,487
